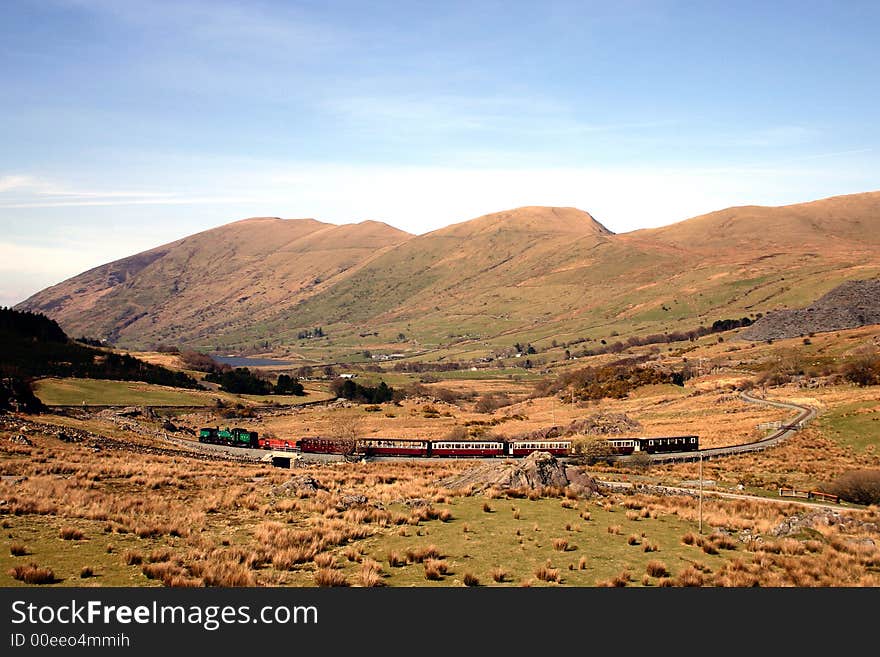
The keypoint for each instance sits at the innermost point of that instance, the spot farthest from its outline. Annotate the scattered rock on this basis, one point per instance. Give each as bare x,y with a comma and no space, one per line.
348,501
849,305
21,439
302,483
536,471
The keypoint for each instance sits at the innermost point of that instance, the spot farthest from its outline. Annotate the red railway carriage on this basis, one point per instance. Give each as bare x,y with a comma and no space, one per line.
467,448
279,444
393,447
326,446
526,447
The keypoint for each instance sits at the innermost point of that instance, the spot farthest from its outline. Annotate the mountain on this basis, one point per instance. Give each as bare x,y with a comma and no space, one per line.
531,274
199,286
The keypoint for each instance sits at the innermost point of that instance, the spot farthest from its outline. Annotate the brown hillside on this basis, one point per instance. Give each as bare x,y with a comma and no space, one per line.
832,223
211,280
536,274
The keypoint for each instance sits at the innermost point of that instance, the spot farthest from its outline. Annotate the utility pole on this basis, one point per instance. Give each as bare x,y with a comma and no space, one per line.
701,491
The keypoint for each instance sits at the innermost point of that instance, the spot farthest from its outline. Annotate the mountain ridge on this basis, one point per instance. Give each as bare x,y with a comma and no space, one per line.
533,272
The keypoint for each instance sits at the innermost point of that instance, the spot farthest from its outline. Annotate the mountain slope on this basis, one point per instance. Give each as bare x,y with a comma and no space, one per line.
198,286
537,274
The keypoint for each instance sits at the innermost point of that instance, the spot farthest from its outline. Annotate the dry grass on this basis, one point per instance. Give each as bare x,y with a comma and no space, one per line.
435,569
560,544
18,549
71,534
33,574
132,557
421,554
657,569
547,574
470,579
690,576
325,560
330,577
370,573
499,574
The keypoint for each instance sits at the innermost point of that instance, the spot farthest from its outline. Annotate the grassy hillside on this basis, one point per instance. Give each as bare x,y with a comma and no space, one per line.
473,289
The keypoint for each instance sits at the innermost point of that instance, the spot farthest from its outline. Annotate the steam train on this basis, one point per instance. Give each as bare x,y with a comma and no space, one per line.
238,437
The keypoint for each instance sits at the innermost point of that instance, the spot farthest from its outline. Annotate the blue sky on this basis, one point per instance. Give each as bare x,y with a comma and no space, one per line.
128,124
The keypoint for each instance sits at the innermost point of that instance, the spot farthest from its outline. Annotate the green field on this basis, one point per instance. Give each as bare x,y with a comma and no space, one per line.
473,541
476,542
100,392
855,425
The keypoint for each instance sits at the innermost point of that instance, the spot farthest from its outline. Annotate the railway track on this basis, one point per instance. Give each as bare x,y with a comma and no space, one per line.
805,414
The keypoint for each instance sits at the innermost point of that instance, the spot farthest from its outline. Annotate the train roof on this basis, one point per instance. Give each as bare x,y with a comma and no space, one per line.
651,437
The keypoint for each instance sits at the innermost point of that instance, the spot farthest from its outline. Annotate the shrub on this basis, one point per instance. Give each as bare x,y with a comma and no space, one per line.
18,549
86,572
499,574
857,486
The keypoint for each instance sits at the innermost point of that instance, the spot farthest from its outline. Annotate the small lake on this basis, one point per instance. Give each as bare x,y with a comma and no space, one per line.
242,361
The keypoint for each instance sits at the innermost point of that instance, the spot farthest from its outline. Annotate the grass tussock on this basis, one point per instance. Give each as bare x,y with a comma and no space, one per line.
370,574
18,549
421,554
33,574
657,568
499,574
560,544
547,574
330,577
132,557
470,579
435,569
71,534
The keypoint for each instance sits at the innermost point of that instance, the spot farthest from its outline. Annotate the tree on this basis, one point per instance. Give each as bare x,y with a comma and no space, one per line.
287,385
346,424
591,448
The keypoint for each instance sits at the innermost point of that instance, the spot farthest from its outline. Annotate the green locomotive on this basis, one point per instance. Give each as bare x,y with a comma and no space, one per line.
235,437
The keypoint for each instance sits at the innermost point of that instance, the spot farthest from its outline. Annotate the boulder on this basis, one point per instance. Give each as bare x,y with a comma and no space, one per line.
536,471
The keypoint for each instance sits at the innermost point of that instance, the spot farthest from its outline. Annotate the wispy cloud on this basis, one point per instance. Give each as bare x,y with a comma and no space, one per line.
444,113
24,191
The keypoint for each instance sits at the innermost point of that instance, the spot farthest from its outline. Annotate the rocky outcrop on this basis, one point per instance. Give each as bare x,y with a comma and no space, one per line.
536,471
850,305
303,483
